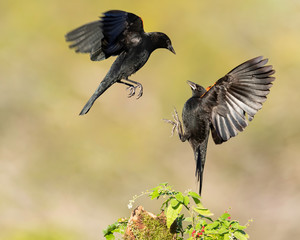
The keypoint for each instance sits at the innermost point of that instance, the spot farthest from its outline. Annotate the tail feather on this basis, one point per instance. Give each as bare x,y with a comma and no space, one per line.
104,85
200,157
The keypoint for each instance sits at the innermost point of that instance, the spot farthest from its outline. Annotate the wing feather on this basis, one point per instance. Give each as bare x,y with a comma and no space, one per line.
105,37
87,39
238,95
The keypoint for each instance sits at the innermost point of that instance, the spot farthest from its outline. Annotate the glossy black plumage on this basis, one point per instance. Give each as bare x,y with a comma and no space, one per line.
225,108
121,34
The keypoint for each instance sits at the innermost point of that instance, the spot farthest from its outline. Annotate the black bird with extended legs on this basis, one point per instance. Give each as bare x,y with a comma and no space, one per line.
117,33
223,108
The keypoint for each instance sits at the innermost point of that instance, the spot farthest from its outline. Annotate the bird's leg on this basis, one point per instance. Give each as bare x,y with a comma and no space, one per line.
181,135
130,87
133,88
177,125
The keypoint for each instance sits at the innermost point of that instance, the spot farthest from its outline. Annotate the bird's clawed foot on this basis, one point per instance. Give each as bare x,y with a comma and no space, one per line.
132,90
176,123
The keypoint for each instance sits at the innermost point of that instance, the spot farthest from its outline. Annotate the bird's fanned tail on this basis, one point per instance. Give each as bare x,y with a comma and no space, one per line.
104,85
200,157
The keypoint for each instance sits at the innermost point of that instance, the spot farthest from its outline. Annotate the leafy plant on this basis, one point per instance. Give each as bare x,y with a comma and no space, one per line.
117,227
195,224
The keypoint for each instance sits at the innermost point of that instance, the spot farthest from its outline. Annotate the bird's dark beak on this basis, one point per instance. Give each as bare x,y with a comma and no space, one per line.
170,47
192,85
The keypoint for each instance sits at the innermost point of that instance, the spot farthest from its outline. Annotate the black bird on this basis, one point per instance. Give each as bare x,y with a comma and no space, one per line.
117,33
223,108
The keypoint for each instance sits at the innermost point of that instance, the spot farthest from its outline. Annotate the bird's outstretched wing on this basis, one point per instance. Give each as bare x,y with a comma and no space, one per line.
106,37
238,94
88,39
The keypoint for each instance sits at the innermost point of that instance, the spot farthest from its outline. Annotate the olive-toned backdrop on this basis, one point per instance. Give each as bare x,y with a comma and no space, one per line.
64,176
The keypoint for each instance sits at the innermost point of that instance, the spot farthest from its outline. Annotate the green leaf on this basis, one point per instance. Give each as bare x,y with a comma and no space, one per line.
223,230
118,226
109,230
208,218
240,227
212,225
225,216
186,200
189,230
165,204
203,211
110,237
154,194
163,184
239,235
174,202
155,189
196,200
226,223
179,197
212,232
194,195
173,212
236,225
200,205
226,236
188,219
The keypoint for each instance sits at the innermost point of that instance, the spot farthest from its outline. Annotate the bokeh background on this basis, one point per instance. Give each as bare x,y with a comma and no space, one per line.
64,176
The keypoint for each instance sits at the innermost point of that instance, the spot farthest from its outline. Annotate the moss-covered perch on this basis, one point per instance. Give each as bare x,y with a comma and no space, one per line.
146,225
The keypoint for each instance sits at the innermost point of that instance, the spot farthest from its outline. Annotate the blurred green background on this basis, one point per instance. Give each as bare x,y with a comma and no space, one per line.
64,176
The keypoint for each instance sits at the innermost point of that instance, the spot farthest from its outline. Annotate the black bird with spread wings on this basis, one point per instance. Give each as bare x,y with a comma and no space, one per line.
223,108
117,33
